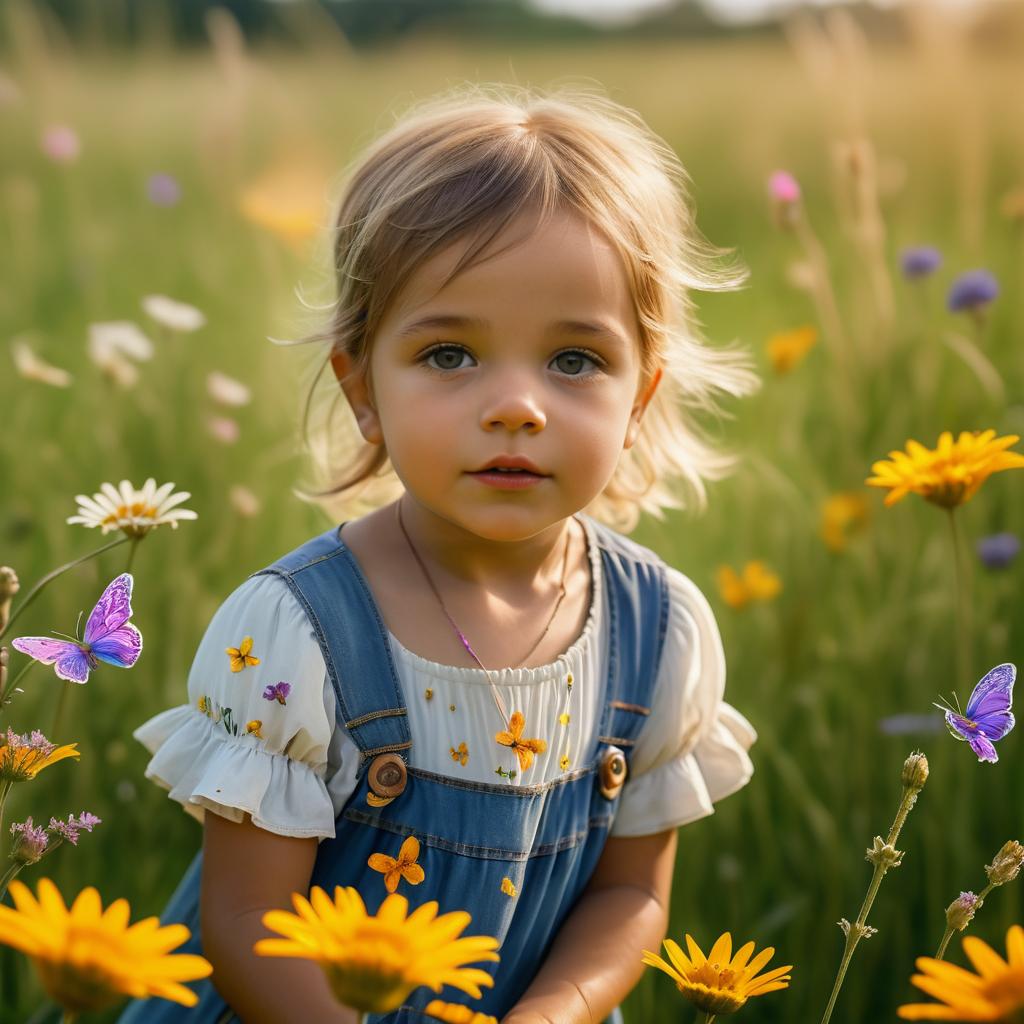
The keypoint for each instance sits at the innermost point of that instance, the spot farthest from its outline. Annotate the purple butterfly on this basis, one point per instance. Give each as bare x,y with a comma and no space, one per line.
109,637
988,716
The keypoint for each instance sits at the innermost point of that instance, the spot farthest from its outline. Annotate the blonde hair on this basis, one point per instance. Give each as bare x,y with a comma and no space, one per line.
461,165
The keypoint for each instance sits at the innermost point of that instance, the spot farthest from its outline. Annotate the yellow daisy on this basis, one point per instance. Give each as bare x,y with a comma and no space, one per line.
756,582
240,656
88,958
787,348
405,866
454,1013
995,993
720,982
842,515
373,963
24,757
950,474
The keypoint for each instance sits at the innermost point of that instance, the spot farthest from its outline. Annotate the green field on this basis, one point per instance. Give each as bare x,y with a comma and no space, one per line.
853,637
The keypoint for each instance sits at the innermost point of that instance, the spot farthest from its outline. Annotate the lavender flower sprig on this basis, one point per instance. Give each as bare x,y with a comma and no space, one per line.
33,842
884,855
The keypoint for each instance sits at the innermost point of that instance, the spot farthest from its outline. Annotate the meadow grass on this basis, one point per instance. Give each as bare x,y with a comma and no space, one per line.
853,637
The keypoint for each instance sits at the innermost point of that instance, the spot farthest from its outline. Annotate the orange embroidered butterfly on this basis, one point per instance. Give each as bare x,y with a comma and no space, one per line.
525,749
404,867
461,755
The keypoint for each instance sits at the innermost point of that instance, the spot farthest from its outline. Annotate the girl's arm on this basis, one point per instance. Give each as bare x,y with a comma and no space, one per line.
246,872
595,959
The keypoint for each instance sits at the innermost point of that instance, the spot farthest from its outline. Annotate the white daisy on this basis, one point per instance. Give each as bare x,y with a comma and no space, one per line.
178,316
134,512
121,336
227,390
31,367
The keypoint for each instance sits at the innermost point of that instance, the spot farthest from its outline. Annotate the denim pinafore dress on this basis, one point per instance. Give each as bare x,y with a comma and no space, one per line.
546,839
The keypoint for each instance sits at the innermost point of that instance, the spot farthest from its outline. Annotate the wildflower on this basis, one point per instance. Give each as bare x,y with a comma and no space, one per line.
120,336
998,550
971,291
243,501
30,842
783,187
163,190
1006,864
278,692
719,982
88,958
949,475
227,390
755,583
920,261
9,586
134,512
240,656
915,772
223,429
288,200
960,912
524,748
454,1013
60,144
178,316
22,758
995,993
373,963
842,515
31,367
404,867
787,348
70,829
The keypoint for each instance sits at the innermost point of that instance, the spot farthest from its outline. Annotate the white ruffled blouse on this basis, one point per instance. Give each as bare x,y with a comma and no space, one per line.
263,738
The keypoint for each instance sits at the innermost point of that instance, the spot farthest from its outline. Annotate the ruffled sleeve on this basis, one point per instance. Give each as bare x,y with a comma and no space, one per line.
692,751
254,736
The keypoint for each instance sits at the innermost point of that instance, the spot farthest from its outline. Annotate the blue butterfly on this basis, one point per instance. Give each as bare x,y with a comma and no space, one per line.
988,716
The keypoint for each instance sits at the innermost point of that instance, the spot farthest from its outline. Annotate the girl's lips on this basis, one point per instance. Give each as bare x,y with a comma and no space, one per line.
508,481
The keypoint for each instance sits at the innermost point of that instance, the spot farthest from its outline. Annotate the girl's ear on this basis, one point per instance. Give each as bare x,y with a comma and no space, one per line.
357,390
633,431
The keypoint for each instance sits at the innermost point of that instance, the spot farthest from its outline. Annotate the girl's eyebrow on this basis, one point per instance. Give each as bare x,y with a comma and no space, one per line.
442,321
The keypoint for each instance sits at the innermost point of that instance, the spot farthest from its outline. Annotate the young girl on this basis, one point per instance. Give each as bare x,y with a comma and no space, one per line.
482,662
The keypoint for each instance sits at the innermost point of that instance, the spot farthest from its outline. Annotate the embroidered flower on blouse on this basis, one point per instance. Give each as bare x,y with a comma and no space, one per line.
253,728
564,762
451,707
278,692
227,720
568,680
563,718
524,748
510,774
203,704
508,888
428,693
404,867
461,755
456,1013
240,656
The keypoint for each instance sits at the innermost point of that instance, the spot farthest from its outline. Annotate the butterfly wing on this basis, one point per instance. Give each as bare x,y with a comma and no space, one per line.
68,659
958,726
990,702
109,634
984,749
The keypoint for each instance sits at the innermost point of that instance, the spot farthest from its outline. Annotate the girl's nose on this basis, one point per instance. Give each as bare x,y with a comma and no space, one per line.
513,408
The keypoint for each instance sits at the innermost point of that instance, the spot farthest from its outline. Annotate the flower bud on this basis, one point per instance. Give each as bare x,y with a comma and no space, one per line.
1007,863
9,586
30,842
915,772
883,854
961,910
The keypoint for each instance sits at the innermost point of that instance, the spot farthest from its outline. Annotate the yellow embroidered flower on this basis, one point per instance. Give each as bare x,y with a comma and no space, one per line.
454,1013
253,728
757,583
240,656
842,515
428,693
786,349
720,982
564,763
563,718
525,749
203,705
88,958
461,755
373,963
995,993
950,474
23,757
451,707
404,867
508,888
568,680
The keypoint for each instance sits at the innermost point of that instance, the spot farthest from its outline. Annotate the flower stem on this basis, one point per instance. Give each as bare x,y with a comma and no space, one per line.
6,880
950,929
709,1018
857,930
51,576
963,607
131,553
5,788
9,688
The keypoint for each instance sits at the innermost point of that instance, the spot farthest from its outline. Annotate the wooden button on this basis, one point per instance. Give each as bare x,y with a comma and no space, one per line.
613,772
387,775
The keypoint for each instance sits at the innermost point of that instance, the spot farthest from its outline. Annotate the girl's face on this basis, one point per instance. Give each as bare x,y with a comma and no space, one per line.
533,352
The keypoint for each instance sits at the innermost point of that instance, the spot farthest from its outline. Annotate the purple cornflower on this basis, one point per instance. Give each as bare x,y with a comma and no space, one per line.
920,261
971,290
69,829
163,190
998,550
278,692
29,842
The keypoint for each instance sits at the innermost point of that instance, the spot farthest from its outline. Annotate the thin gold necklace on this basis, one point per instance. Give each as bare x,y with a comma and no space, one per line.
462,636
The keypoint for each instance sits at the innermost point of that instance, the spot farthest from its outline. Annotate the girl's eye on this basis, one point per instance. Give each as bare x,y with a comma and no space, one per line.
449,358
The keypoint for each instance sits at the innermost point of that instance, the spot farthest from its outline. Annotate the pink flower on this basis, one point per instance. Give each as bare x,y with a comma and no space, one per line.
223,429
784,188
60,144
